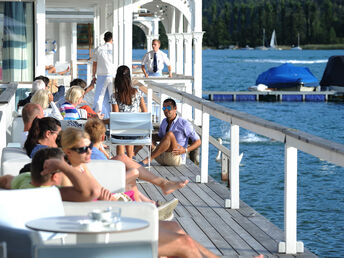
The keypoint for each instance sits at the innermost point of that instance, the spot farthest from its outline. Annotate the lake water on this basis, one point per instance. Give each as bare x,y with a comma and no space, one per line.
320,184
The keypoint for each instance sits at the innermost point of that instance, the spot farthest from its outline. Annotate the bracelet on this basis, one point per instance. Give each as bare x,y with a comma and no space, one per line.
186,150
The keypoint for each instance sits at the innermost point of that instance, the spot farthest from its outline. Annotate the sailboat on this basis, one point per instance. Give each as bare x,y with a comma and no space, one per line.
262,47
298,43
273,42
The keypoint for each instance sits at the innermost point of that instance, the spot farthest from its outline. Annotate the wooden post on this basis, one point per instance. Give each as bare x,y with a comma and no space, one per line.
224,167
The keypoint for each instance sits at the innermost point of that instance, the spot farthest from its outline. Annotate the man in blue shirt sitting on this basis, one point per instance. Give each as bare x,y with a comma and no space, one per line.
174,134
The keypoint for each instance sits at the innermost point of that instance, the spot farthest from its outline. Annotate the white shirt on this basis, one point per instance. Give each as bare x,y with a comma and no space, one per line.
53,112
161,58
103,56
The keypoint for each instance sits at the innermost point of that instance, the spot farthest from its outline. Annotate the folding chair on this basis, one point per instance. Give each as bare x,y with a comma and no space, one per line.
128,128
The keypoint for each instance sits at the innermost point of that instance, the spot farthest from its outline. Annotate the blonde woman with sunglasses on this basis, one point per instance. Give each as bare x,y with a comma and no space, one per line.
77,146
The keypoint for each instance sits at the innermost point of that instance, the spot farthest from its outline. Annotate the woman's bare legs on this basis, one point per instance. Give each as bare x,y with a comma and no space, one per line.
120,150
131,176
173,241
166,186
130,151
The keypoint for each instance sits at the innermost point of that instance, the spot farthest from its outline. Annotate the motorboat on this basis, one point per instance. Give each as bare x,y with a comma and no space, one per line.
288,77
333,77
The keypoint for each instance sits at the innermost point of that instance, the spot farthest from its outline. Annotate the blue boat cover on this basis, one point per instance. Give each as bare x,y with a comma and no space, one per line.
287,75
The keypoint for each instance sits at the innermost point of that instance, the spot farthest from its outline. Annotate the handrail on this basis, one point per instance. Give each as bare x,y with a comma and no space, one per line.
293,140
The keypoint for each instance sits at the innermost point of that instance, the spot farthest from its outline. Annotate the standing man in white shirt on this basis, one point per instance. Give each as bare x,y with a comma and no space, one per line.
104,68
154,61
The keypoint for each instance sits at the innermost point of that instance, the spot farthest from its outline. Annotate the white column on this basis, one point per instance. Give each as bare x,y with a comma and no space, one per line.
128,33
96,29
172,50
155,26
40,38
187,54
120,32
102,21
115,33
62,45
74,49
290,246
149,42
198,37
180,53
235,161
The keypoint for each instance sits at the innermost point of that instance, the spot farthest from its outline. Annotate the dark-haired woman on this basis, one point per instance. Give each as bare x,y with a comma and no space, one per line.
42,134
126,98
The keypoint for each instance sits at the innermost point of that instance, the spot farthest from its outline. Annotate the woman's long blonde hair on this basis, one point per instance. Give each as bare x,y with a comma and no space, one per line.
41,97
72,136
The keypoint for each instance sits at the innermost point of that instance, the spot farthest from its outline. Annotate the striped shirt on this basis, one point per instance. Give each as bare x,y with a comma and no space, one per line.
69,112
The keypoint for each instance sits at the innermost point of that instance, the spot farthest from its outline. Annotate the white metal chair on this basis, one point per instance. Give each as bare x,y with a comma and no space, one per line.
109,250
19,206
17,129
127,128
109,173
12,160
18,242
140,210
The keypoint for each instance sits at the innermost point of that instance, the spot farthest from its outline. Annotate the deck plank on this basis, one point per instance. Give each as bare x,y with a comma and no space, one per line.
201,213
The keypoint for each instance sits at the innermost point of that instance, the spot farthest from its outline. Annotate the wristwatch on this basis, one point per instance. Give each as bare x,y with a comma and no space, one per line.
186,150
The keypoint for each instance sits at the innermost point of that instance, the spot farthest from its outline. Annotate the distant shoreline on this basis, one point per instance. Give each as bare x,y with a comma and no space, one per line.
304,47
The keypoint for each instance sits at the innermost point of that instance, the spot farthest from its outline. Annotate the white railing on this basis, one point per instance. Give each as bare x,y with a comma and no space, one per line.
293,140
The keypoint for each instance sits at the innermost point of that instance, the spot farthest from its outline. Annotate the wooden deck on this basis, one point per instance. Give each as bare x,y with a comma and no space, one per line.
201,213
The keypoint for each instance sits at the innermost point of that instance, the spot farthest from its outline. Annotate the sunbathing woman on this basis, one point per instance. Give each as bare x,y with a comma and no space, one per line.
78,148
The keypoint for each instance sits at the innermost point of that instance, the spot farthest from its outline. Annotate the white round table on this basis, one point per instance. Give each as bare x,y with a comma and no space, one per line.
73,225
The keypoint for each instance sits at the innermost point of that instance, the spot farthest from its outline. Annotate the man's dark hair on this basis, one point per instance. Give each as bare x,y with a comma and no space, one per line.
78,82
38,162
108,36
43,78
173,103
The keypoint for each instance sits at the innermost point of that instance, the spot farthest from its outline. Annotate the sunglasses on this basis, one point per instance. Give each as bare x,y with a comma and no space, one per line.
84,149
169,108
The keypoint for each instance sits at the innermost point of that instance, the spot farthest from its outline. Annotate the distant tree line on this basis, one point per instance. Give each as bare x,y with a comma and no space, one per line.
241,23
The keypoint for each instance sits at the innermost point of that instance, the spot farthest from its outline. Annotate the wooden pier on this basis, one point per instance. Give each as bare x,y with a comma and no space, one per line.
201,213
273,96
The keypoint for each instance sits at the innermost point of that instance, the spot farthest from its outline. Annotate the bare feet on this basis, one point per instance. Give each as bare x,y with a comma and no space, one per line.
170,186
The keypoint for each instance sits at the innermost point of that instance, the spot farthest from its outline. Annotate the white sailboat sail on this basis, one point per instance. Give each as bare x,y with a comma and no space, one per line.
273,42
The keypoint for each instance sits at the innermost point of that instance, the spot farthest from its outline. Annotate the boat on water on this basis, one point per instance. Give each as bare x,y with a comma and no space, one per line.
288,77
298,43
333,77
247,47
273,42
262,47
